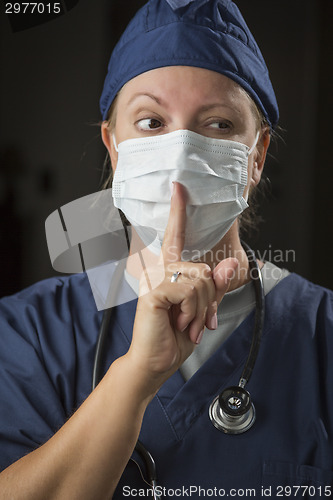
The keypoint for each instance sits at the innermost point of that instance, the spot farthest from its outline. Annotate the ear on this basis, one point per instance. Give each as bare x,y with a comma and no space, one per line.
260,156
108,143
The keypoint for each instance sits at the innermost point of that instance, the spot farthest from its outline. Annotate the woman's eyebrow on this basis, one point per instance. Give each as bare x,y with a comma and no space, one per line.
208,107
144,94
201,109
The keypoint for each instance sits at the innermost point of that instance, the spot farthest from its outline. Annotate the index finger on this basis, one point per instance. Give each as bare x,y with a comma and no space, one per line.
173,242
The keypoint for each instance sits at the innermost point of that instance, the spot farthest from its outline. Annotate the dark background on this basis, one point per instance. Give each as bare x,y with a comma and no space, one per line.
51,153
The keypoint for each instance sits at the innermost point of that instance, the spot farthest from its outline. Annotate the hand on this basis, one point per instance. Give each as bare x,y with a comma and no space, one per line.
171,318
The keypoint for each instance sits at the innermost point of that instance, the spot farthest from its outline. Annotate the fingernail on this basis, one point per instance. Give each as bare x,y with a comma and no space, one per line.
199,337
213,322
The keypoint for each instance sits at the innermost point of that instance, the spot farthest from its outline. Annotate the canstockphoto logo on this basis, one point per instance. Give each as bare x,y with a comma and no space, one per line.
25,15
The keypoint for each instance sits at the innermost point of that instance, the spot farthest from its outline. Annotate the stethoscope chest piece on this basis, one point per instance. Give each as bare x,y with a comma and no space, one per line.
232,411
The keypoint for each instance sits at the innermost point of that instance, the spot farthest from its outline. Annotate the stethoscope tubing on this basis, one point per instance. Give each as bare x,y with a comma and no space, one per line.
257,280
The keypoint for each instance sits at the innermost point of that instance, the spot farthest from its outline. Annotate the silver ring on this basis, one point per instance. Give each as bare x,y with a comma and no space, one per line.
175,276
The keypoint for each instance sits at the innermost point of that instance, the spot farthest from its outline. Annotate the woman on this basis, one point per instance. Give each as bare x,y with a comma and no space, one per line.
185,83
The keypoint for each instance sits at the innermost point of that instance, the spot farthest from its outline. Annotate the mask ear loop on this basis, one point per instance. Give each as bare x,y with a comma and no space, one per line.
254,145
115,144
248,154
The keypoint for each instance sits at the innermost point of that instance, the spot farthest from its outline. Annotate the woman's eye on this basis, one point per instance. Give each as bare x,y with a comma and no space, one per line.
220,125
149,124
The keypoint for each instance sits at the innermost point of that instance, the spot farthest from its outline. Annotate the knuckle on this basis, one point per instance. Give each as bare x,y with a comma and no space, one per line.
206,271
200,270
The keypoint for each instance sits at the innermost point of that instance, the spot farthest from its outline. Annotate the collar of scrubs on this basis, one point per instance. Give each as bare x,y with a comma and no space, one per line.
233,309
223,368
183,402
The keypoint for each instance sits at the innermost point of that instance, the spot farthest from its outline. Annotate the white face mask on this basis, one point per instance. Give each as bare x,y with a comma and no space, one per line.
213,171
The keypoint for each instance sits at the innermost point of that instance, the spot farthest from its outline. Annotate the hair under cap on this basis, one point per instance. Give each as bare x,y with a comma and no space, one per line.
210,34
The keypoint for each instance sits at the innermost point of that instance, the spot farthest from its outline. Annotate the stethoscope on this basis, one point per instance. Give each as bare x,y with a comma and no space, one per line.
232,412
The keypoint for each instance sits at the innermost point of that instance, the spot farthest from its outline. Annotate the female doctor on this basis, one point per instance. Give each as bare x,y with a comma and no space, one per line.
188,109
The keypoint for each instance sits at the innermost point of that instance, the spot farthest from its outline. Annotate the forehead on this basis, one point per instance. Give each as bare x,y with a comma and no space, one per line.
184,84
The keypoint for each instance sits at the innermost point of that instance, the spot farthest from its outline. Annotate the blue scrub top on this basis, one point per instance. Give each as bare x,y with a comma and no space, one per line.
48,334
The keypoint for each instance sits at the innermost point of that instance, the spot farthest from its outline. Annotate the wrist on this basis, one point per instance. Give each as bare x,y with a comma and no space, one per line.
133,381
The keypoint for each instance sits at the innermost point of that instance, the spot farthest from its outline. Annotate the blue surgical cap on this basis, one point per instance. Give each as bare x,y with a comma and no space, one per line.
210,34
